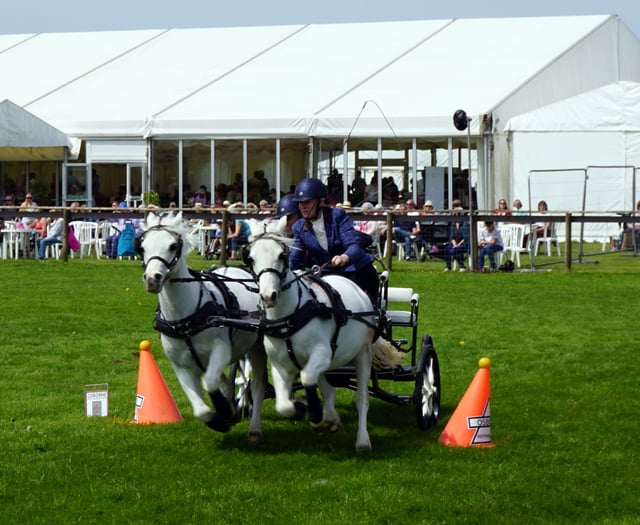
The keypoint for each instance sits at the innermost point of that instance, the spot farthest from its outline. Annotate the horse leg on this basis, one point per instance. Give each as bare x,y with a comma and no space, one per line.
214,381
282,382
314,406
310,377
363,374
331,417
258,386
191,386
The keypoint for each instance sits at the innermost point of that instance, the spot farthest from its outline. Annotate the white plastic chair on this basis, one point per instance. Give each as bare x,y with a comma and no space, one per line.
515,246
199,236
8,240
105,229
549,240
86,233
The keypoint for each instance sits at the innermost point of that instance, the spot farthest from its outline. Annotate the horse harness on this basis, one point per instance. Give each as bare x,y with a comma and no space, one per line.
285,327
206,312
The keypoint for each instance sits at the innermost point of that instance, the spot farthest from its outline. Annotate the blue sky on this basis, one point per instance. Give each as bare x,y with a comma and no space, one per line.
36,16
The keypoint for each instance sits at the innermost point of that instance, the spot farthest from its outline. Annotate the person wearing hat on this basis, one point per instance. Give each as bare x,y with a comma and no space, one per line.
325,236
288,207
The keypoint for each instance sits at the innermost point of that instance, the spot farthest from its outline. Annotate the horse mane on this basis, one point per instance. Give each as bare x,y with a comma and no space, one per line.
271,229
172,221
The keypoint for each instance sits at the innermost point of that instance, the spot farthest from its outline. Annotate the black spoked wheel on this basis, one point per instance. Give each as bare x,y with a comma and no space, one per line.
241,375
426,396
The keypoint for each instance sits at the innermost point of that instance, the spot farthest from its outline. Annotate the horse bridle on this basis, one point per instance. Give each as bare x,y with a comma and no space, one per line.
282,274
169,264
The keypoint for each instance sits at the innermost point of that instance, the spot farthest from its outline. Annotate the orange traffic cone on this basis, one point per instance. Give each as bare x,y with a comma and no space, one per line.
470,424
154,403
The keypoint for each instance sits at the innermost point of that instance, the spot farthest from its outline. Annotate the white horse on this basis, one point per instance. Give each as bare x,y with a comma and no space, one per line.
310,330
188,302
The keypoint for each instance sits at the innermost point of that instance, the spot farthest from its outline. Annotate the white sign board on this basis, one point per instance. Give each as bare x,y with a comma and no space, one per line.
96,399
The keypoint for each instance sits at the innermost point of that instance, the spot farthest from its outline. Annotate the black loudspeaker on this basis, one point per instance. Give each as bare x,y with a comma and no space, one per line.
461,120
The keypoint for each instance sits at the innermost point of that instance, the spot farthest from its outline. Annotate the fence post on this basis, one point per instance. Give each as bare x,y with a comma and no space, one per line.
223,240
65,235
389,240
567,241
473,240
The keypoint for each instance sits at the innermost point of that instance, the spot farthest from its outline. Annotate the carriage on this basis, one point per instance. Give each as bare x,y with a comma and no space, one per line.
324,331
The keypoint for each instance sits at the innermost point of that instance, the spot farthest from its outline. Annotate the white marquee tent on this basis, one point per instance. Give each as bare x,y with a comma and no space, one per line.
396,81
24,136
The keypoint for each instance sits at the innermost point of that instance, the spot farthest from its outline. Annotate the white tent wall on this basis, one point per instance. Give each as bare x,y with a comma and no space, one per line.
565,76
598,128
628,50
542,157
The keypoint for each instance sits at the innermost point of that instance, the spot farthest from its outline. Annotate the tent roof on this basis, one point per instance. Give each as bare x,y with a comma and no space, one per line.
24,136
390,79
614,107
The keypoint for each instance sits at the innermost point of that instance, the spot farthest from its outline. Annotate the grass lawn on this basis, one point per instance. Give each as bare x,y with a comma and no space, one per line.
564,409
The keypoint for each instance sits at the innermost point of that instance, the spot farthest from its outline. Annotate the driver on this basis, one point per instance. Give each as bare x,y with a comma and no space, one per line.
288,207
326,236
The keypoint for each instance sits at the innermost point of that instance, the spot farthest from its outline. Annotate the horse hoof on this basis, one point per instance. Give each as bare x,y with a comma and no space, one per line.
335,425
301,410
220,424
363,448
320,429
254,438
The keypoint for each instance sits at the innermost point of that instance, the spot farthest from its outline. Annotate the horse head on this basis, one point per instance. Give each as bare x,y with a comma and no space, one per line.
268,257
163,244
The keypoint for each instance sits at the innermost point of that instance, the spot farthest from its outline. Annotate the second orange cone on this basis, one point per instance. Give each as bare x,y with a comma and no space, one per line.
470,424
154,403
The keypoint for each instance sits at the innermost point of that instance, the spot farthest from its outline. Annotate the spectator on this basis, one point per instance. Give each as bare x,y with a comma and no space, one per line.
457,247
490,244
28,205
542,228
239,236
358,189
502,208
517,207
54,236
200,197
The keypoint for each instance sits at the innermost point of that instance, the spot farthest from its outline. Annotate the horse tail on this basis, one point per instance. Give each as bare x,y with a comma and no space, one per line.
385,355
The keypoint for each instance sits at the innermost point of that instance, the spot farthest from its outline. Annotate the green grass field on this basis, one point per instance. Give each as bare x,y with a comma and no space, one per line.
564,407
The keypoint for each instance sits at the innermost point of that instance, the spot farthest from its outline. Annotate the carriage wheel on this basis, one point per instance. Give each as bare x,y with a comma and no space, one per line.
241,375
426,396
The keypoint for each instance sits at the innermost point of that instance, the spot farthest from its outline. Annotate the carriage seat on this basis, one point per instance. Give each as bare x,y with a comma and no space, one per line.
407,317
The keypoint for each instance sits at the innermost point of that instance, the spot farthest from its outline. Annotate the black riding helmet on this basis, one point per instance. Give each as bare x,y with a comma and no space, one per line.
308,189
287,206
